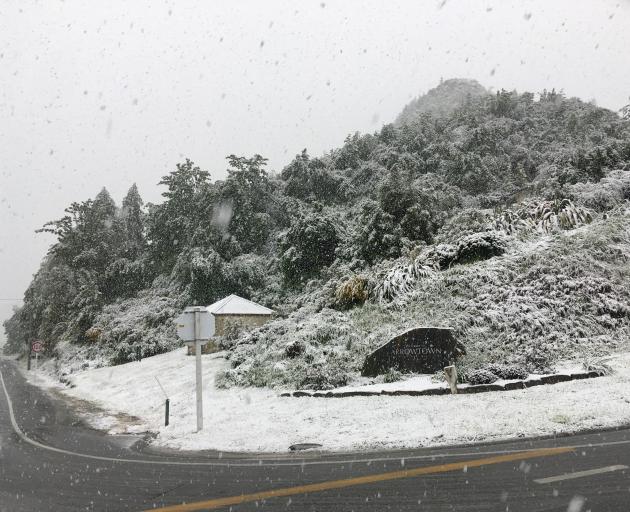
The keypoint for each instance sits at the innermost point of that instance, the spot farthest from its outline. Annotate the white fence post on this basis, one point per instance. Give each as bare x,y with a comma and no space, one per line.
450,372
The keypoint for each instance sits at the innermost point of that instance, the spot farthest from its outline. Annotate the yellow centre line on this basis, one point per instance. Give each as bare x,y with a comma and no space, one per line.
362,480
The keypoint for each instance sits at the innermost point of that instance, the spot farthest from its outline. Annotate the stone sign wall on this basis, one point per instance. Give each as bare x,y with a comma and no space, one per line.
421,350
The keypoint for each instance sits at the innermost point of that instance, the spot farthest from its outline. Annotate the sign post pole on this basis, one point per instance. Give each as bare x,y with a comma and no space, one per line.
198,364
194,326
36,347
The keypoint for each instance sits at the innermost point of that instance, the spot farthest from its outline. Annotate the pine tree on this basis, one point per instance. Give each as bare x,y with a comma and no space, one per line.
132,217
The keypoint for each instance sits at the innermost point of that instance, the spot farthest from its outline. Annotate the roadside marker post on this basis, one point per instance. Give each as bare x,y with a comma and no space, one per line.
450,372
195,327
36,347
198,370
166,404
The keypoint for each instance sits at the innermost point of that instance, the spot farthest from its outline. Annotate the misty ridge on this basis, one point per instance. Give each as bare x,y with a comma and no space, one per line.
502,215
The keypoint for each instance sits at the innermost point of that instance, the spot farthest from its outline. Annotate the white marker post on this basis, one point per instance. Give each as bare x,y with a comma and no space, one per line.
194,326
37,347
450,372
198,364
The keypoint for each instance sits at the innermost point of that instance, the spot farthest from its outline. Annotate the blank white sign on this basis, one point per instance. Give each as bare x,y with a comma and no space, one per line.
186,324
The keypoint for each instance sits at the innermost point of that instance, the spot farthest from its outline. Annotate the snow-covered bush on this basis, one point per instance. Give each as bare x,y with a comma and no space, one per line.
322,375
307,349
466,222
605,195
480,246
545,216
307,246
401,278
352,292
294,348
441,256
598,366
480,376
392,375
143,323
507,371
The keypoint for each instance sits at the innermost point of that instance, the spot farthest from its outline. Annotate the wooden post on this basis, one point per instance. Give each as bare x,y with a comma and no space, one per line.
450,372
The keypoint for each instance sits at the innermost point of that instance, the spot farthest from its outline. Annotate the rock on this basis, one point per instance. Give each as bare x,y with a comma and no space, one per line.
482,388
422,350
304,446
519,384
555,378
579,375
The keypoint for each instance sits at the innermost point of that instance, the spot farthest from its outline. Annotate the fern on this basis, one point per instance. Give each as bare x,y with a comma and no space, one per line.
545,216
401,278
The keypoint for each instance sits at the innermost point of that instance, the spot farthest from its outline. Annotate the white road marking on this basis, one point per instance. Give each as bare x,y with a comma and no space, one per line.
580,474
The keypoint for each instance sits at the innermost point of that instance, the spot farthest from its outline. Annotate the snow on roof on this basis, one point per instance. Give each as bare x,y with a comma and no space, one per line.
235,305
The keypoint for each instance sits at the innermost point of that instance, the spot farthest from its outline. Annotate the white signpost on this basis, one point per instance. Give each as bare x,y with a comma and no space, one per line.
37,347
194,327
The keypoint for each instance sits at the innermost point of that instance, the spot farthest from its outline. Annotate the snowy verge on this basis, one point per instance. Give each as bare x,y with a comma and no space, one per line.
259,420
426,385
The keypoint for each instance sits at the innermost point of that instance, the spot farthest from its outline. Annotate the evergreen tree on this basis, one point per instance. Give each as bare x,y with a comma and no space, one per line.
133,223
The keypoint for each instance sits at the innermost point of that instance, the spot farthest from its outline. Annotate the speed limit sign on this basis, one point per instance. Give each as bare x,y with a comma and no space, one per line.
37,346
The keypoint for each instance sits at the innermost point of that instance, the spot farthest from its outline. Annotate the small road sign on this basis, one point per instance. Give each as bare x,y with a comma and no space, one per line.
37,346
195,324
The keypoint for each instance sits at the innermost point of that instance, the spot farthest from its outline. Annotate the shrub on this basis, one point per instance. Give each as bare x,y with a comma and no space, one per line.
226,379
599,366
605,195
378,236
352,292
392,375
401,278
322,376
442,255
308,246
481,376
539,358
508,371
464,223
480,246
546,216
294,349
144,322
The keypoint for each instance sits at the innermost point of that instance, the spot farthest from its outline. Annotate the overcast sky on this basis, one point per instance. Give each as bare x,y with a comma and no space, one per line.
109,93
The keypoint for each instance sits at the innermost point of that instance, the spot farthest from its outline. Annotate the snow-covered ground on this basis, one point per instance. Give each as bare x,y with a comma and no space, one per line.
260,420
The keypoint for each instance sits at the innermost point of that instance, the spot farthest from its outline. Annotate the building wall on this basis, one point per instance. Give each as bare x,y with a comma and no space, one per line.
244,322
221,322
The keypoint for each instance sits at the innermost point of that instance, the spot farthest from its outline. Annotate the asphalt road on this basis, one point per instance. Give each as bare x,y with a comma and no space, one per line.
51,462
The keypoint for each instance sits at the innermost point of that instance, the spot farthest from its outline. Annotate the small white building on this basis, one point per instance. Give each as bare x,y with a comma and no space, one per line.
237,311
234,312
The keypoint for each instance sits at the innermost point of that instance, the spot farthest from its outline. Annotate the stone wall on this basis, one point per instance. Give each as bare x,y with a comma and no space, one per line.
223,322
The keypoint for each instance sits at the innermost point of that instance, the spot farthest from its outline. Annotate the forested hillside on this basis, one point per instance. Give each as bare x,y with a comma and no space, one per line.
504,215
